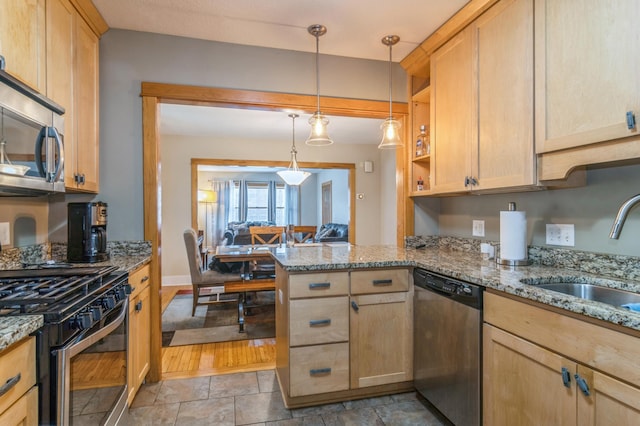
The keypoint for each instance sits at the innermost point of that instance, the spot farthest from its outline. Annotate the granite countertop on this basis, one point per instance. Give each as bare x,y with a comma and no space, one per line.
467,266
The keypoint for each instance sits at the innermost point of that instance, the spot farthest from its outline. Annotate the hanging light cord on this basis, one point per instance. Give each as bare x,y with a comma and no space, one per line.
318,70
390,79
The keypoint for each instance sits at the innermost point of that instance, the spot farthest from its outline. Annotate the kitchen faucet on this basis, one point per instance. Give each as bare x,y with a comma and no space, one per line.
622,215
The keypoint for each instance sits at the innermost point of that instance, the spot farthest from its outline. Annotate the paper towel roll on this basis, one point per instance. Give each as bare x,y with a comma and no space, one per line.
513,235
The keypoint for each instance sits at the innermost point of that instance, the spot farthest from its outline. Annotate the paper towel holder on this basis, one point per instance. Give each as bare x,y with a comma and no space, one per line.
508,262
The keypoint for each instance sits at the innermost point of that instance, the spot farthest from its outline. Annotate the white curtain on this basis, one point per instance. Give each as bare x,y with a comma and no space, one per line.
219,213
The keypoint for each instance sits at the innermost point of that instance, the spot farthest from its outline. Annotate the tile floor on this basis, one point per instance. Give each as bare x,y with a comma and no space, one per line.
254,399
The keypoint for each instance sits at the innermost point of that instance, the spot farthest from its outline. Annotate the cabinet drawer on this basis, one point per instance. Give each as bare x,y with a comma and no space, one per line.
139,279
319,285
17,365
314,321
319,369
24,412
382,281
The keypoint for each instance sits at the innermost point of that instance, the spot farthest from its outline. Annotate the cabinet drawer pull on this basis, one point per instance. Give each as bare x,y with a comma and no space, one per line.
317,323
10,384
355,306
316,286
582,384
319,371
145,278
139,306
383,282
631,120
566,377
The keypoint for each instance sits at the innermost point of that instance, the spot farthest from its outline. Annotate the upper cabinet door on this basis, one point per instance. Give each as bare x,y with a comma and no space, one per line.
22,41
505,151
453,113
587,71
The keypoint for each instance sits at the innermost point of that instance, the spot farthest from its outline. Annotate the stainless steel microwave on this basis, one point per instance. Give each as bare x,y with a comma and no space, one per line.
31,141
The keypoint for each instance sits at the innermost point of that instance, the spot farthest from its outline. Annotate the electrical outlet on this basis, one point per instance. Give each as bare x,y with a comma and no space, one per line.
478,228
561,234
5,234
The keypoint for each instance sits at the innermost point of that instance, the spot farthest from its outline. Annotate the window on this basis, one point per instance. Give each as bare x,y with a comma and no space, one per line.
264,202
257,201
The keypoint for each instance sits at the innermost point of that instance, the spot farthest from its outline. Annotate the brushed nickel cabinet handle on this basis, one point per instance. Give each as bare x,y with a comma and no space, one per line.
319,371
383,282
318,323
10,384
316,286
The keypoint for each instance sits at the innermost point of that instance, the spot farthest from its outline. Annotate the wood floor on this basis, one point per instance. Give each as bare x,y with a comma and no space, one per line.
210,359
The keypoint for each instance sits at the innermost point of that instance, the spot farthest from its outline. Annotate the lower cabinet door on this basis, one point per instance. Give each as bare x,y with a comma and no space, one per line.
381,339
24,412
609,401
523,383
319,369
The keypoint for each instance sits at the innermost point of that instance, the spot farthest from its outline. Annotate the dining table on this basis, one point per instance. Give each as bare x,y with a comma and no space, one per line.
246,254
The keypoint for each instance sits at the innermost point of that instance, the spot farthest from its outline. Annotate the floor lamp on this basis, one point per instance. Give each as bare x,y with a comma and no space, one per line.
207,197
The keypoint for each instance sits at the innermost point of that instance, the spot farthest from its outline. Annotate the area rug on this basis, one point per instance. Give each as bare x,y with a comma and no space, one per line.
217,322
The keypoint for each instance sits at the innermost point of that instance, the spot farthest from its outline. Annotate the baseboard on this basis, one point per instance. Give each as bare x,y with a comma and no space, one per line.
175,280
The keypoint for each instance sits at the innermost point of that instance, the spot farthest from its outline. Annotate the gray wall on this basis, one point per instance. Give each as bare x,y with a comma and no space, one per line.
591,209
128,58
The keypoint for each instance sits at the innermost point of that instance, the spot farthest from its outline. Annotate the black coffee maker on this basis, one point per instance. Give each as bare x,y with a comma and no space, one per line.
87,232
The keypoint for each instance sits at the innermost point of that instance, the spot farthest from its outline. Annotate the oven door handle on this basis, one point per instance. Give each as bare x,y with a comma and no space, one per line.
72,349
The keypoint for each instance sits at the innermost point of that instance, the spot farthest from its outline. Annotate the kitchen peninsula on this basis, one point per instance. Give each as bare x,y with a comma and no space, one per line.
330,347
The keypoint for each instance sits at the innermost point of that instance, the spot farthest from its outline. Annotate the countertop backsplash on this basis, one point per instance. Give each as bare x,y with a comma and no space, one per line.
612,265
16,258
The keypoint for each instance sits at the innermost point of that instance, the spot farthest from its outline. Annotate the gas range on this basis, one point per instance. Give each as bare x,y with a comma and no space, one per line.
81,307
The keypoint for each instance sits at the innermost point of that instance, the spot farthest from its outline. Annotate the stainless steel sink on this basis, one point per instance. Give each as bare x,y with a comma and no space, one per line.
597,293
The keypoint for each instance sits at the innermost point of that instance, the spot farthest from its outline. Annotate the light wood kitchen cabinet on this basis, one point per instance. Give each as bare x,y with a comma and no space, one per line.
586,78
139,355
586,84
325,352
531,374
420,166
82,167
482,103
19,399
22,41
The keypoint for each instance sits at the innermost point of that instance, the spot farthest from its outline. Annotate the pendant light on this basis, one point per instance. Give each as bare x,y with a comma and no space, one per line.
318,121
390,127
293,175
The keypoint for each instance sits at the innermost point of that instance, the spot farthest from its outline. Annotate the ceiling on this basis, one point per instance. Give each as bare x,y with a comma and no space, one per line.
354,29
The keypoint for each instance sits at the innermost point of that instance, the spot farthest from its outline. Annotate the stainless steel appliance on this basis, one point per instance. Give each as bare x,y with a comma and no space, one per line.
32,147
87,232
447,346
82,348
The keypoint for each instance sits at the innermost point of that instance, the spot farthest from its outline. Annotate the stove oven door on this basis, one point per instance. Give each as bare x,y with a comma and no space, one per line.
92,372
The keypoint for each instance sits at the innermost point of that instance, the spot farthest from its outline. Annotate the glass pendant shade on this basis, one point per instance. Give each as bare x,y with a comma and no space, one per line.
390,134
318,121
293,175
318,136
390,128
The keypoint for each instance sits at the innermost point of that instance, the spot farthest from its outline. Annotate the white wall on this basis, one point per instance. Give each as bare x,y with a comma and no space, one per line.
176,153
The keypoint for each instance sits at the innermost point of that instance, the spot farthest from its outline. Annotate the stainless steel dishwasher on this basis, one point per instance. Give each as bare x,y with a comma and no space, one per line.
448,346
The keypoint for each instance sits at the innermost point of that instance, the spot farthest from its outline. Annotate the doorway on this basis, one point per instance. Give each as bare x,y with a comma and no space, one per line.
154,94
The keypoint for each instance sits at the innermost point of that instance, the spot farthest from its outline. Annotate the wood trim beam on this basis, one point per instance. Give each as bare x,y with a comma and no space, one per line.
234,98
152,225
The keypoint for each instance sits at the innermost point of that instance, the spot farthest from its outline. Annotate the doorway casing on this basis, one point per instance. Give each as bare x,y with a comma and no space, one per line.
154,94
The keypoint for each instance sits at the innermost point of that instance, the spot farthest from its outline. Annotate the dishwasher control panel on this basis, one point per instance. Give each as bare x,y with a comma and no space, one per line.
461,291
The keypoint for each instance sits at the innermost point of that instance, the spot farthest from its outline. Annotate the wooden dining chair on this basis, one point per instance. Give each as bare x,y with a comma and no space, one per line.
202,280
302,233
266,234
